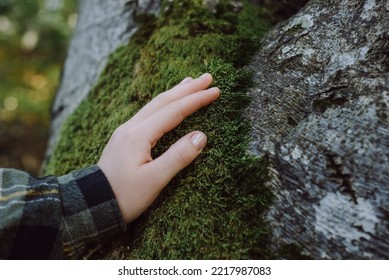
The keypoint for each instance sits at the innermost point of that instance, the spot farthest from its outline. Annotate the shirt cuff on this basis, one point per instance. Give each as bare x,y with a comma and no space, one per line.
91,213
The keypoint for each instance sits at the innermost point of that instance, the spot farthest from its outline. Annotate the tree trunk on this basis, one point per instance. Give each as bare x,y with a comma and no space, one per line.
320,109
102,27
319,113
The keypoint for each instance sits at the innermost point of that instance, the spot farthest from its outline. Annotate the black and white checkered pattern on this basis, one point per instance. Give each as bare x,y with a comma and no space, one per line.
55,218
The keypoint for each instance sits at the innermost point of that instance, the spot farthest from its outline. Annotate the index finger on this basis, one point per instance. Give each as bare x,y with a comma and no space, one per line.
167,118
177,92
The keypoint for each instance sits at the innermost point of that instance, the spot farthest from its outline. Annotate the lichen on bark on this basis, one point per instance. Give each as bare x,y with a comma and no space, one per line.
318,109
214,208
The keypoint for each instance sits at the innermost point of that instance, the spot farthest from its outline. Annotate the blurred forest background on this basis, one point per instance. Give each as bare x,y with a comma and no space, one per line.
34,36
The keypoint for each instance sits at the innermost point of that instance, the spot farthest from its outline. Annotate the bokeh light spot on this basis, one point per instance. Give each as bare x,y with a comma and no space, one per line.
11,103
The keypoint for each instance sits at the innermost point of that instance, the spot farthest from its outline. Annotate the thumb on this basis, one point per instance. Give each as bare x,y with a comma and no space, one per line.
178,156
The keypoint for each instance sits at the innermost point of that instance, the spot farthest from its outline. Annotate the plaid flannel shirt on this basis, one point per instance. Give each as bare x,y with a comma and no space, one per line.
55,218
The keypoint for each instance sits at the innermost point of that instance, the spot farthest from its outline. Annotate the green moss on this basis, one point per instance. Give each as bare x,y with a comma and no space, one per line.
214,208
294,29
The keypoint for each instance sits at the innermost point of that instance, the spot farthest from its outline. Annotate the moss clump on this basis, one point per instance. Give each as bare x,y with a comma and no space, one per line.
214,208
294,29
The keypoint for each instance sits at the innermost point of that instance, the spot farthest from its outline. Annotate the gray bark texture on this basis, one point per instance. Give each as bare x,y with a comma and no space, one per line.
320,111
102,27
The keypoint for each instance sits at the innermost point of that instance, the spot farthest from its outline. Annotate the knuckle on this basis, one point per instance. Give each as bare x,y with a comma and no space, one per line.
123,133
161,98
182,156
179,110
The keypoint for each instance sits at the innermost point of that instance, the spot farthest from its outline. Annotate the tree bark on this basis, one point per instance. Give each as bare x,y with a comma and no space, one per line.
320,110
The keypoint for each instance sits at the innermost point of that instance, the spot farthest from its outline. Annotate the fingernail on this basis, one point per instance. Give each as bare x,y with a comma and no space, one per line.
199,140
214,89
186,80
204,75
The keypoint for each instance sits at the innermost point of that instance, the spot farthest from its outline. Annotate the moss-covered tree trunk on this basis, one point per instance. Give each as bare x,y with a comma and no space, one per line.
298,160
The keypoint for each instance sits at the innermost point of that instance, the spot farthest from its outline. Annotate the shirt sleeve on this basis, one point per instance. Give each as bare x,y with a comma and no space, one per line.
56,217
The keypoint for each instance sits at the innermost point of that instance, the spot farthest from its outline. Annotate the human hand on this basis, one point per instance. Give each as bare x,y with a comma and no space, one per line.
135,177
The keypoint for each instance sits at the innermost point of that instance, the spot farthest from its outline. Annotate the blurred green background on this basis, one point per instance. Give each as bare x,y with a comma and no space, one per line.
34,36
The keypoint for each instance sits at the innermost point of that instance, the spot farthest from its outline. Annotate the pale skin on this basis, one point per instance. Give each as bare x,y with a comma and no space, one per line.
135,177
